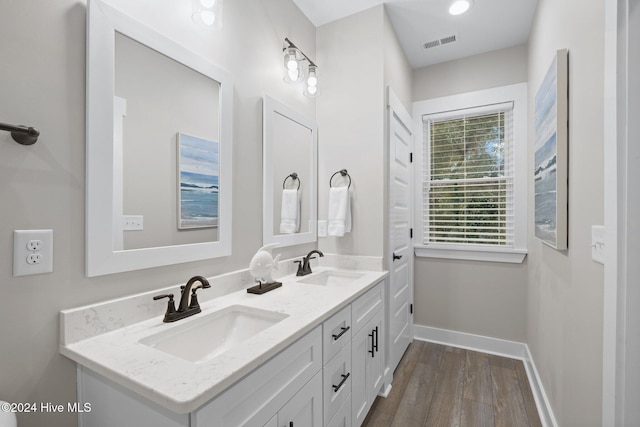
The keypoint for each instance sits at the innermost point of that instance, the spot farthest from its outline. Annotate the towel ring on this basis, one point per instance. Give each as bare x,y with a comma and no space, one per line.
294,177
342,172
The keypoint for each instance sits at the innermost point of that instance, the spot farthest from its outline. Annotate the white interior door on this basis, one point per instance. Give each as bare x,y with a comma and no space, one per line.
400,209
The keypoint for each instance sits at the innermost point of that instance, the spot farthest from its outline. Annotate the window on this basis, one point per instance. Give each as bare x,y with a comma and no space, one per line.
473,175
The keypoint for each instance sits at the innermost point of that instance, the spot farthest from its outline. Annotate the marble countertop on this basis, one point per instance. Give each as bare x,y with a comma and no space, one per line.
182,386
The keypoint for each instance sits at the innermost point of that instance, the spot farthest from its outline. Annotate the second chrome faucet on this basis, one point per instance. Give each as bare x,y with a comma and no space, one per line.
188,300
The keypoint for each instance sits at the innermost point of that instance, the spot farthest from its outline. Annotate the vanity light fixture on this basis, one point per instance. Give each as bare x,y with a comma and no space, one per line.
458,7
294,68
207,13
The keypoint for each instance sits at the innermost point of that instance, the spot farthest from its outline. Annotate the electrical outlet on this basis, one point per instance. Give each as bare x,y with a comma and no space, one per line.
322,228
34,245
32,252
34,258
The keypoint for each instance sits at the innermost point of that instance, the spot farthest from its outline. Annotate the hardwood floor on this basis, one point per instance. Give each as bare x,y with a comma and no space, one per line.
436,385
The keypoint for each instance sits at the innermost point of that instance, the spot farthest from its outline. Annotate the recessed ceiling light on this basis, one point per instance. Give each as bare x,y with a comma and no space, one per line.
458,7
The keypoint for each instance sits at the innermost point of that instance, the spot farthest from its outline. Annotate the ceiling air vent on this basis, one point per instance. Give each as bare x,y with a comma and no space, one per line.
440,41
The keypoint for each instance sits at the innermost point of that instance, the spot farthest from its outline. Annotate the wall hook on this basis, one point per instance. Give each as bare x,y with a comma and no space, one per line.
22,134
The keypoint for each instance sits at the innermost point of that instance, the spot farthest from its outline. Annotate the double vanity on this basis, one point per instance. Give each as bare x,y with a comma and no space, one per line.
311,353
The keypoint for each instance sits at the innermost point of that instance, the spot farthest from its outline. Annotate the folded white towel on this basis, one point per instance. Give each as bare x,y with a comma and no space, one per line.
339,211
290,212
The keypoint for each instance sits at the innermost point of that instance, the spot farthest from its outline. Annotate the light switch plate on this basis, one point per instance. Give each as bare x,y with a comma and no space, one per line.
597,243
132,222
32,252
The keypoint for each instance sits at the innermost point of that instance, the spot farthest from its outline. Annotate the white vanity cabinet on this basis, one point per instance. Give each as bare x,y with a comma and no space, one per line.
353,344
327,378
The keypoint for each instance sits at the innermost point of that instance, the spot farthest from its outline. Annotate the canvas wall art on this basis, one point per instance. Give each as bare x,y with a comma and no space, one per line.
551,151
198,182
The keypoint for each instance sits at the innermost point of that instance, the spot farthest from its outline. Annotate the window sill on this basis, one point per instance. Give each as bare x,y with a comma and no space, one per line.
513,256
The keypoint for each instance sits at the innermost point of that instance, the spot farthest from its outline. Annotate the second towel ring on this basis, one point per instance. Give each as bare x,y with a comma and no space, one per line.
293,176
342,172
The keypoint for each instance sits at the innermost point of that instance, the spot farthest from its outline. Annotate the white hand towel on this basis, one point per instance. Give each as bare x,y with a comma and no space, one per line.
290,212
339,211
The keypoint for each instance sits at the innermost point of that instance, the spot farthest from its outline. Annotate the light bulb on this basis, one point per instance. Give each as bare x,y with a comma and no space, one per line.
292,64
294,74
312,80
459,7
208,17
312,90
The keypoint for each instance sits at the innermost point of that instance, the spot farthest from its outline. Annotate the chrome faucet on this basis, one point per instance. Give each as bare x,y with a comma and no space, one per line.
303,265
188,303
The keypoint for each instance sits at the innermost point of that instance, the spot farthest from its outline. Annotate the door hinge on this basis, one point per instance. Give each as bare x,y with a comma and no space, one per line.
410,157
411,233
411,308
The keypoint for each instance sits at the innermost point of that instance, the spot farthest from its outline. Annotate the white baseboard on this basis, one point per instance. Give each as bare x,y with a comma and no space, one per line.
499,347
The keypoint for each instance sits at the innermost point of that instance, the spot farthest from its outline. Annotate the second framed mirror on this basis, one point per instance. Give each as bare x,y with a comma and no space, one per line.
290,146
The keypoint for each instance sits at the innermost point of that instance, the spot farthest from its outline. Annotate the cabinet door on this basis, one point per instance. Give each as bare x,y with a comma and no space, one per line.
375,371
361,348
367,367
305,408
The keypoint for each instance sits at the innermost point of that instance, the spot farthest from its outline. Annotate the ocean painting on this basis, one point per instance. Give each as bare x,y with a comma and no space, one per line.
198,188
548,208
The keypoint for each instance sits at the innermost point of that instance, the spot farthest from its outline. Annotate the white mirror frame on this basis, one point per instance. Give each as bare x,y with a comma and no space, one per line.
101,258
271,106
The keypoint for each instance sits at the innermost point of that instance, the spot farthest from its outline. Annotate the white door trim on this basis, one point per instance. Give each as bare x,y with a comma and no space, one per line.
621,324
396,109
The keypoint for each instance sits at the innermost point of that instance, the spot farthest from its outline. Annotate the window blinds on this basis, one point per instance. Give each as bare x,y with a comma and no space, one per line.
468,178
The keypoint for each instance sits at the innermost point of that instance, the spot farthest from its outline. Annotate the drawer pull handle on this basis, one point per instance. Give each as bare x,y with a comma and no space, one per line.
343,330
373,346
344,380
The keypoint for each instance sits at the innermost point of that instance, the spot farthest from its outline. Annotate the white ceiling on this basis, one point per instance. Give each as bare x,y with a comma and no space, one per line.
487,26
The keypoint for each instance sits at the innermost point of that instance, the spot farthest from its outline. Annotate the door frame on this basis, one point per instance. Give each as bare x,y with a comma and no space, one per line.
395,106
621,326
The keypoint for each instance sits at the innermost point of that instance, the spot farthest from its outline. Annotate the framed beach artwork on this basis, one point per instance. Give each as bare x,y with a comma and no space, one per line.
551,155
198,182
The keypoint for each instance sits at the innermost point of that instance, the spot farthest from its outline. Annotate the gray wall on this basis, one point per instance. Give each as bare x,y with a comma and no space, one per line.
483,298
43,85
565,291
488,70
350,115
363,57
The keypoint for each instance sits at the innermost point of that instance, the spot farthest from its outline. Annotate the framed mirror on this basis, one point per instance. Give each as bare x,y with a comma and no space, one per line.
290,146
159,147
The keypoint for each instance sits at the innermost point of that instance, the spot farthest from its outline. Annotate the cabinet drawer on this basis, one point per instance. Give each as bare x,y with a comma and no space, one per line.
336,333
343,416
364,308
337,382
254,400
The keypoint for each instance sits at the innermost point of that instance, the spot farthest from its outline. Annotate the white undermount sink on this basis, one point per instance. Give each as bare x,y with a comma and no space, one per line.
211,334
332,278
